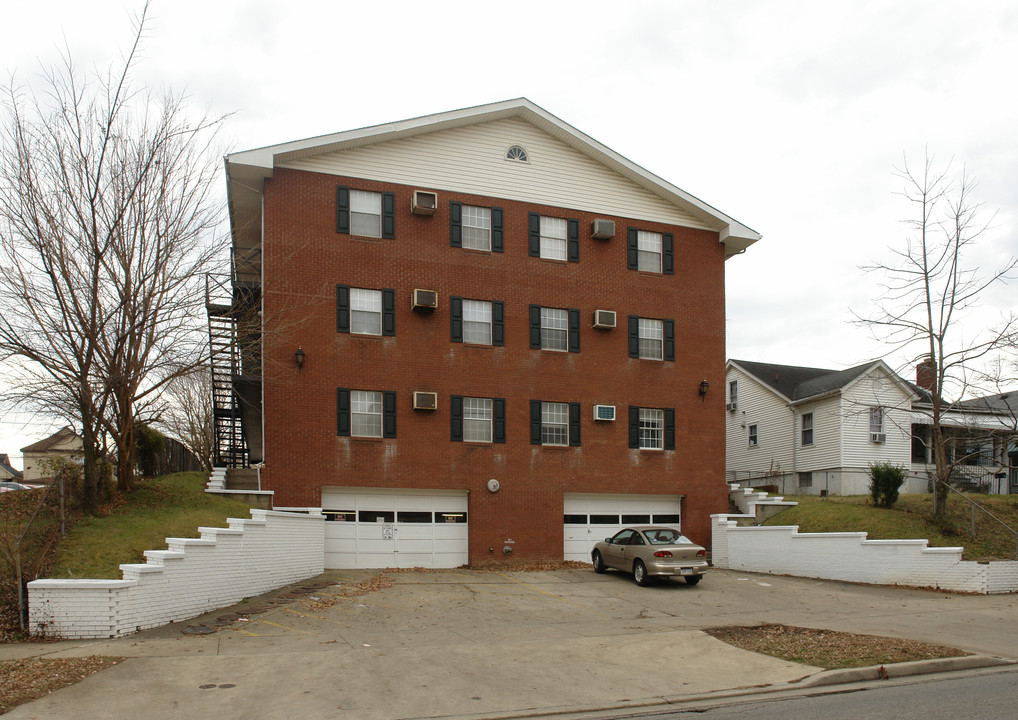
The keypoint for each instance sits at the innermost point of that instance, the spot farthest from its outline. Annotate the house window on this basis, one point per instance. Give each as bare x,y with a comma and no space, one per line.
753,436
652,428
807,429
553,238
554,423
650,251
476,228
365,213
477,419
365,413
876,420
733,391
805,479
554,329
477,322
648,245
517,154
365,311
651,339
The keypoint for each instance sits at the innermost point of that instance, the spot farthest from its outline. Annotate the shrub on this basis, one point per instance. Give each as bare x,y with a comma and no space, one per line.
885,482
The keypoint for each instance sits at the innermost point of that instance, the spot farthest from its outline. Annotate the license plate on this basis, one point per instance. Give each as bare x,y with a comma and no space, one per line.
686,571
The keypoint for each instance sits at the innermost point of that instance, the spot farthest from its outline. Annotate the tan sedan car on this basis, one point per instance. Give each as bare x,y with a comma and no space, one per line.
649,552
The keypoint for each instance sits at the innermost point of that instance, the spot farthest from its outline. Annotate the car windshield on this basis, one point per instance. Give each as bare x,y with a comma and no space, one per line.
666,536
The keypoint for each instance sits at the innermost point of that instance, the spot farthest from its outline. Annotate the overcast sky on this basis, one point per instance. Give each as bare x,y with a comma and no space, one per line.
788,115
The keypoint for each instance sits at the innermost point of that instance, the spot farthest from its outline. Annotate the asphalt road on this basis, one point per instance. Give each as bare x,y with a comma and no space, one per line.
986,696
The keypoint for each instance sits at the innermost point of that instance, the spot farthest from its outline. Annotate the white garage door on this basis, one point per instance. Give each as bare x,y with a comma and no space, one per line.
590,518
386,529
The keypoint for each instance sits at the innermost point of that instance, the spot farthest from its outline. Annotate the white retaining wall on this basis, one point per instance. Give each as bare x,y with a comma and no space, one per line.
193,576
783,550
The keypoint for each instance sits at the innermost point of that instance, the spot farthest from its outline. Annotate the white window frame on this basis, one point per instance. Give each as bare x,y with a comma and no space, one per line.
475,228
554,329
365,311
477,322
876,419
754,435
649,251
555,423
366,213
651,335
554,238
477,419
733,391
652,428
806,435
365,413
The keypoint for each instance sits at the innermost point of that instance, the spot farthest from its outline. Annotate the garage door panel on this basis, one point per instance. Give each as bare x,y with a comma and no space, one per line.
593,517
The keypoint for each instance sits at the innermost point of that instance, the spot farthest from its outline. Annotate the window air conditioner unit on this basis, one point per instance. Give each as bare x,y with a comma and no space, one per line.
878,437
424,203
731,407
604,413
602,229
425,400
604,318
424,300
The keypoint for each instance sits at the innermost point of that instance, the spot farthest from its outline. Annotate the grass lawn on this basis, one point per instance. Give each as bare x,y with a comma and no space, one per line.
911,517
171,506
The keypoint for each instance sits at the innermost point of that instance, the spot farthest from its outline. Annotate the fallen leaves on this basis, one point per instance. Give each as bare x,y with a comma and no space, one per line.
32,678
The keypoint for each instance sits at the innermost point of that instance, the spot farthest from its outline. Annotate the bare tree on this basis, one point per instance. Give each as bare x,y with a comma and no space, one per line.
926,292
107,226
189,416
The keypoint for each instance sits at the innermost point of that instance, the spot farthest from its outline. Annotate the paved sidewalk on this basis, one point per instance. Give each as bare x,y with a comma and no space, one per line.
464,643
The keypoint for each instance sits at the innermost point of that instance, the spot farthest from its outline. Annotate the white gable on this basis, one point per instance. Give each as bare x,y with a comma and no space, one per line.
471,159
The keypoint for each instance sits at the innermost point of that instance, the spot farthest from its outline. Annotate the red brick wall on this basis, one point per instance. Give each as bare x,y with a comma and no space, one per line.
304,260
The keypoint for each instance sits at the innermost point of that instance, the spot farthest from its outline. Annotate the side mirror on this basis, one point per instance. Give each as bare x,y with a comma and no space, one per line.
608,540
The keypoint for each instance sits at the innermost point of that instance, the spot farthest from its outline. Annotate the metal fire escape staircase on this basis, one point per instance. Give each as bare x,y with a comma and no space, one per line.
230,447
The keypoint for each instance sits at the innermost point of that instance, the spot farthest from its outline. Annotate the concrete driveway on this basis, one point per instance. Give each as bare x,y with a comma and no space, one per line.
467,643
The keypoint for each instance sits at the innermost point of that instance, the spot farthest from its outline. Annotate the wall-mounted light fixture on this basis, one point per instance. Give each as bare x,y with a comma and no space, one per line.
704,387
300,358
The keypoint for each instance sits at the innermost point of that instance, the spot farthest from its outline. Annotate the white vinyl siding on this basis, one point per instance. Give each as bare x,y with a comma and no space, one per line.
760,406
471,160
879,391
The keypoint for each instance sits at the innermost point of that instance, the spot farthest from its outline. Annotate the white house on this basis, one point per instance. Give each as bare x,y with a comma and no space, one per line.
817,431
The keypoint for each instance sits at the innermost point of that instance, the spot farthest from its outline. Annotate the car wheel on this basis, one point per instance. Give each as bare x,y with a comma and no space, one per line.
640,574
598,562
693,579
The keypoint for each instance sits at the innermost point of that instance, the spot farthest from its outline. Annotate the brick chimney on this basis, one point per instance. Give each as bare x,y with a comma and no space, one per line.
926,374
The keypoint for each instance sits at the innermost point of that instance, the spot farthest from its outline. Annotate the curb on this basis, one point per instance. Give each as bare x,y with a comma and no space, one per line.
898,670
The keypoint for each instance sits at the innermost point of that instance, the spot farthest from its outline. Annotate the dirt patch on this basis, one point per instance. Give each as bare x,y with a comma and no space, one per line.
829,649
30,679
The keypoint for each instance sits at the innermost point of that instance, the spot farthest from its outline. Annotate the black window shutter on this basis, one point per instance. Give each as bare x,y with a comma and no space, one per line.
634,426
498,427
534,227
535,327
342,209
498,323
456,418
574,330
342,411
634,336
573,244
632,250
496,229
343,308
535,422
667,263
455,224
389,414
388,215
669,428
669,328
388,312
456,318
574,424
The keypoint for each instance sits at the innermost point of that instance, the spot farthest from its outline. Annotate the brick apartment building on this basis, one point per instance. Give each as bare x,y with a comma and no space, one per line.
483,334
